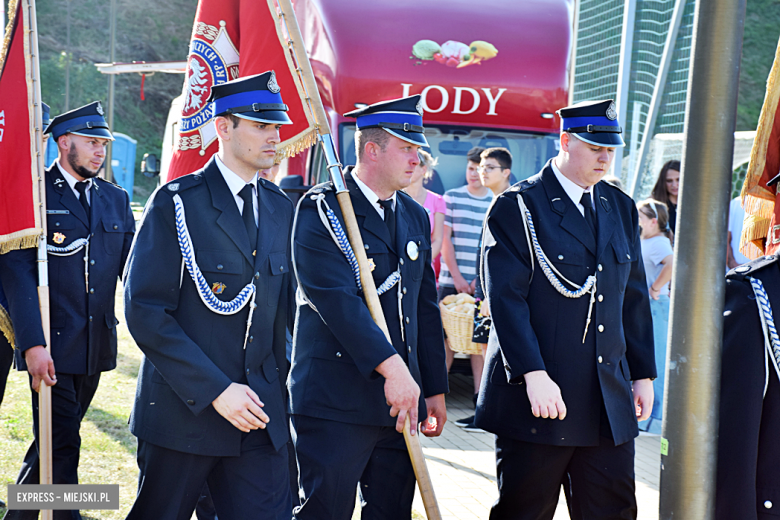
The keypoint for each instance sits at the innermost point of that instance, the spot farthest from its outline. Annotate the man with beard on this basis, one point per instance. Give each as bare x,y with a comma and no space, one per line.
89,231
206,299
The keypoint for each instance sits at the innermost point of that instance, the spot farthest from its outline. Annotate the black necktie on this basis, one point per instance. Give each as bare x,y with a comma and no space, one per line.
387,205
590,212
81,187
248,215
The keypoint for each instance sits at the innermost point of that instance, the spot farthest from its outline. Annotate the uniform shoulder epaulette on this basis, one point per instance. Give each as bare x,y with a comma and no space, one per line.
273,188
750,268
182,183
320,188
101,180
524,185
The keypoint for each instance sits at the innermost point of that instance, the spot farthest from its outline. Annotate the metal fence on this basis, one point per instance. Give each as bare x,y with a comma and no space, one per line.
597,58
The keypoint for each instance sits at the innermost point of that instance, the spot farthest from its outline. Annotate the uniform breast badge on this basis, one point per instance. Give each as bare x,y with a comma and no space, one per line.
412,251
371,264
218,287
58,238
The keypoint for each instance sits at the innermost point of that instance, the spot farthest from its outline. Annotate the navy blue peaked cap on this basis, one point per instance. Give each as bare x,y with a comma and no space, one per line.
87,121
257,98
402,118
594,122
46,110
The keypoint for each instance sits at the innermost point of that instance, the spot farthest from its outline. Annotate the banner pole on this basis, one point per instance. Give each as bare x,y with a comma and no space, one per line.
353,234
44,395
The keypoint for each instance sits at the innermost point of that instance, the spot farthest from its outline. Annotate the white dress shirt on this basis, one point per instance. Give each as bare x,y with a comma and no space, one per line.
236,184
71,180
573,190
372,197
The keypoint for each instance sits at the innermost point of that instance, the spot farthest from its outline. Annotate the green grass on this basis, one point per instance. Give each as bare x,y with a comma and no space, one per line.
108,448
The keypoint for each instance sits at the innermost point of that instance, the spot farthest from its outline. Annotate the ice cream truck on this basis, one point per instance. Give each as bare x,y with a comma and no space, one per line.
490,73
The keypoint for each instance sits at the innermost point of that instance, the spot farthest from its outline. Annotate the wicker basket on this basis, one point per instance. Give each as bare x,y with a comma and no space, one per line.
460,328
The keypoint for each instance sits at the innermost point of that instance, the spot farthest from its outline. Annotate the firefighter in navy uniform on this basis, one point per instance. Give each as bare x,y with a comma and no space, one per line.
90,228
210,314
350,388
748,481
570,352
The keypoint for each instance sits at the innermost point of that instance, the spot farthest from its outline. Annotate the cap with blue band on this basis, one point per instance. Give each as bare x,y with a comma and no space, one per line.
402,118
594,122
257,98
87,121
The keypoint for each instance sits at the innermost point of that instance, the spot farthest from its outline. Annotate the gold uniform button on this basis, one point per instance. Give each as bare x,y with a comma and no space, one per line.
338,354
92,291
600,359
560,257
600,268
404,290
116,227
257,276
401,261
601,297
601,328
407,321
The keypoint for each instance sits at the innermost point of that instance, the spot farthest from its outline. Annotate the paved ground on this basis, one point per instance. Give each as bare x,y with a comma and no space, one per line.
462,466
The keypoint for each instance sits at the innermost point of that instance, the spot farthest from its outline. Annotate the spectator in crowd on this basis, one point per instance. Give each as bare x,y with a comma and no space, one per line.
666,189
657,239
432,202
271,173
736,217
495,171
466,209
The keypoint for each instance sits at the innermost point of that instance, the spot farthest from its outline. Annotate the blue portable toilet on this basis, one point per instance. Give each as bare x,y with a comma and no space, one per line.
123,160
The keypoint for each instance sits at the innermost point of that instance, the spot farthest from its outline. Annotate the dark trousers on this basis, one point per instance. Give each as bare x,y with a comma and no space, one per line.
6,360
599,480
70,399
253,485
333,457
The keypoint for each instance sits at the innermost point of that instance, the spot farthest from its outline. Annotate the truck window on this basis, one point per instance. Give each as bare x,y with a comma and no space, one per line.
450,144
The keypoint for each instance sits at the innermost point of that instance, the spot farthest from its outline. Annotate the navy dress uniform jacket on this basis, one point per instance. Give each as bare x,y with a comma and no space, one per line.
338,345
536,328
191,353
83,324
748,479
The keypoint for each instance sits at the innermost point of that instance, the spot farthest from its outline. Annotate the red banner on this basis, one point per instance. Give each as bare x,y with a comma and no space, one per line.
20,224
761,228
231,39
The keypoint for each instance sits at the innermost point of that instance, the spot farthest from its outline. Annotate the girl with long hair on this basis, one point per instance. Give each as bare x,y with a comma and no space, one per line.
657,239
433,204
667,188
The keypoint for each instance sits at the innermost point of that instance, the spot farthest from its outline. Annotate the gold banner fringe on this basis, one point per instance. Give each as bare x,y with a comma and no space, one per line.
757,200
7,34
20,240
7,327
297,144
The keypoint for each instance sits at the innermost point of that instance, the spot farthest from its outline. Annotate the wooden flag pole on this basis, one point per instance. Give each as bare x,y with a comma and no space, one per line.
44,393
355,239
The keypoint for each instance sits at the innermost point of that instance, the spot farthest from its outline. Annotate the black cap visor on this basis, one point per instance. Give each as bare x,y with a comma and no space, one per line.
103,133
410,137
271,117
609,139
